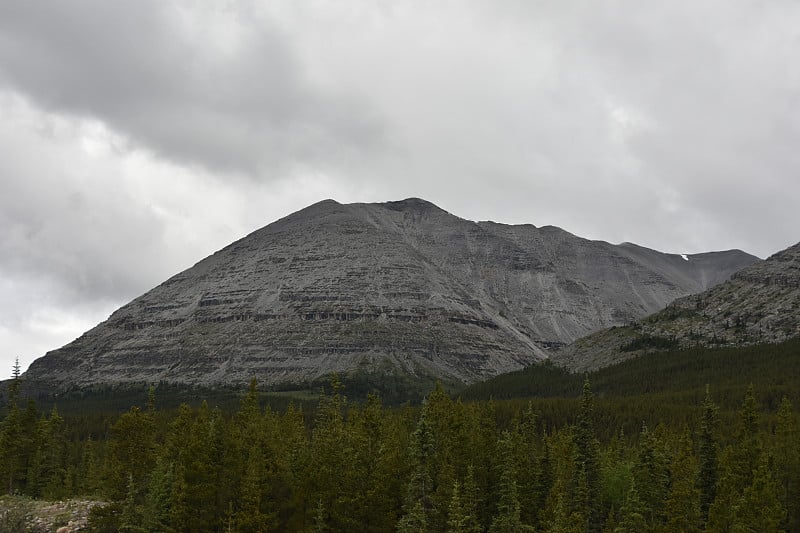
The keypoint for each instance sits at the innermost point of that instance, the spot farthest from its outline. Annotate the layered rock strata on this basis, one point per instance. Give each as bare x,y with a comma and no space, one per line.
757,305
397,287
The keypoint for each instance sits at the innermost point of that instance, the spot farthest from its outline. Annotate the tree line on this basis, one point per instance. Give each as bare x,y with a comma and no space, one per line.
446,465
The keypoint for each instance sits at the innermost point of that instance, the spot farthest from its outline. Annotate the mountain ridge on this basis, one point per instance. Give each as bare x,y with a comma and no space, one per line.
759,304
396,287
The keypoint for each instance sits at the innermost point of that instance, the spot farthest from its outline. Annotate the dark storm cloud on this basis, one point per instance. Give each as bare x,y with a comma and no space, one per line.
216,86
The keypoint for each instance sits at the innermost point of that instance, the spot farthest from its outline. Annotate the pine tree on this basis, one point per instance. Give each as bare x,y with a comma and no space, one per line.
457,516
633,513
11,451
470,502
759,508
47,472
156,504
253,515
132,452
708,475
682,507
651,478
131,517
563,518
507,518
320,519
543,485
787,464
587,463
417,504
738,464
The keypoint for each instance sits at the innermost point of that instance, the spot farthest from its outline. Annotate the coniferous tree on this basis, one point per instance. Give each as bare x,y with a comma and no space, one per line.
759,509
11,451
650,477
633,514
562,518
587,463
682,507
507,517
15,370
253,514
320,519
156,504
526,444
543,484
787,464
709,448
417,505
738,463
132,452
457,516
131,516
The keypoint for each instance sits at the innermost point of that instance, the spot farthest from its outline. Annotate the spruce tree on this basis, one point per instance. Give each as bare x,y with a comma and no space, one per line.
131,516
457,516
156,503
787,464
507,517
633,519
417,504
739,462
682,507
708,474
759,508
651,478
587,463
253,514
15,370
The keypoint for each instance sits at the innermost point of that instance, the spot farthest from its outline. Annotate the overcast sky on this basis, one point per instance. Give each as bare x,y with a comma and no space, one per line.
138,137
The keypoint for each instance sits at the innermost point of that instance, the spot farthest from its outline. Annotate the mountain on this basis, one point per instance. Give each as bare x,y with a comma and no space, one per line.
760,304
397,288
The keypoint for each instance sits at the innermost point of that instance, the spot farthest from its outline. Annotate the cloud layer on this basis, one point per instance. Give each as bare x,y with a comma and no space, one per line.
138,137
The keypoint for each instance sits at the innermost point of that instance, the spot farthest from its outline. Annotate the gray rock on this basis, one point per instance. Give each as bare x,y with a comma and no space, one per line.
757,305
397,287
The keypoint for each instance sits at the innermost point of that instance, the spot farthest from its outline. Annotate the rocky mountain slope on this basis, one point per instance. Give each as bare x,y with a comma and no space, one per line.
759,304
398,287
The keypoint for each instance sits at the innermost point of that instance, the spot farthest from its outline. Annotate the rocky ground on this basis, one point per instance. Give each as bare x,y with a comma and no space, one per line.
23,515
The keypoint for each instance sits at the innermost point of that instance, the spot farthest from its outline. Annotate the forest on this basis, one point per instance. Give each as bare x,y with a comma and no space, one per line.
677,456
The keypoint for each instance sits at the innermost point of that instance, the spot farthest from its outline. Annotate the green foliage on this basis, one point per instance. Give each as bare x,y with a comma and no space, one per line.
773,369
649,342
583,463
786,454
587,460
708,475
682,506
507,517
16,514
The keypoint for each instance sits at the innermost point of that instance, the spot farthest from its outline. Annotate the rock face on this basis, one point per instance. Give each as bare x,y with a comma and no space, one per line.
759,304
398,287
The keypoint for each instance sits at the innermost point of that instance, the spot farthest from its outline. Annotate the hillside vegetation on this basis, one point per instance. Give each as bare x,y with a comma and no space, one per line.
651,449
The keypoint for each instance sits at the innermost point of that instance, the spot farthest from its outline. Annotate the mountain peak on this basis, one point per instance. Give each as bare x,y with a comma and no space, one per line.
412,204
403,288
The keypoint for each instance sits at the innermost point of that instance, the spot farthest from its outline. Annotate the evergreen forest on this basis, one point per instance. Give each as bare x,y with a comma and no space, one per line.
701,440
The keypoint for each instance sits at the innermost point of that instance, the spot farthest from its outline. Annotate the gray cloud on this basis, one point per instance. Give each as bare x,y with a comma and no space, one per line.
138,137
216,86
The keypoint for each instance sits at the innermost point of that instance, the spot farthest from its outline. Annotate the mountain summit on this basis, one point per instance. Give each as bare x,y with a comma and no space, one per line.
397,287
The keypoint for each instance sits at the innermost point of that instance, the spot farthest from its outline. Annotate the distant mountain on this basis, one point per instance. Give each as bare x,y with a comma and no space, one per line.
759,304
398,288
